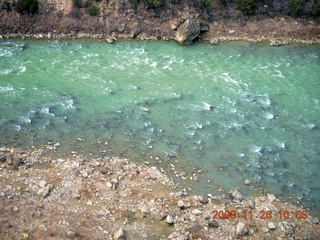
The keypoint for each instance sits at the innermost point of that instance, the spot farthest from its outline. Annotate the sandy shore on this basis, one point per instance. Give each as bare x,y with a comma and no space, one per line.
45,195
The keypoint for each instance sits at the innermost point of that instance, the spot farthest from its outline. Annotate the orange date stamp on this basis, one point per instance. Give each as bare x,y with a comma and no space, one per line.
263,214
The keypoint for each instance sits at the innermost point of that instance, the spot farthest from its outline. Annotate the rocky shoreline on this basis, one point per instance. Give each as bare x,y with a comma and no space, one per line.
214,40
46,195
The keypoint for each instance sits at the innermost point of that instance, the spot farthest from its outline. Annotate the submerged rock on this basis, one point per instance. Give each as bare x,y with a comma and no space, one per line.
187,32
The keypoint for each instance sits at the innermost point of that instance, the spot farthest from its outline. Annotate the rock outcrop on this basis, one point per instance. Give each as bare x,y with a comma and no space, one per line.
187,32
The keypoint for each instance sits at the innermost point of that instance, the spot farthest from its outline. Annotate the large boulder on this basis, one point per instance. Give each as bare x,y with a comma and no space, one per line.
187,32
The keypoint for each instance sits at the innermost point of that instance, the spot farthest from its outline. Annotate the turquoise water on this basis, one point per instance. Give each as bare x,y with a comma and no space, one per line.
236,110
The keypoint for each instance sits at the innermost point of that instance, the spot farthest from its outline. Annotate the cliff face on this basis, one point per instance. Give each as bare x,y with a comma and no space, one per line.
122,19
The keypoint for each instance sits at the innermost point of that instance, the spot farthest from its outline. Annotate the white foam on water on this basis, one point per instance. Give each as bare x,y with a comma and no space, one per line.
309,125
190,132
25,119
154,64
45,110
21,70
6,89
68,104
278,74
256,149
17,127
6,71
228,79
268,116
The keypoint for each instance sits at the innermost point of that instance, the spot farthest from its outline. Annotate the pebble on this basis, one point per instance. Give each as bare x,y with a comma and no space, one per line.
89,203
271,226
84,173
196,212
247,182
103,169
71,234
178,236
181,204
44,191
315,220
251,203
265,229
3,157
170,219
271,197
120,234
213,224
240,228
42,183
25,235
15,208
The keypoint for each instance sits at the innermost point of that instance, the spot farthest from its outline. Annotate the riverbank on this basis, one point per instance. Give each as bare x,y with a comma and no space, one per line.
211,38
48,195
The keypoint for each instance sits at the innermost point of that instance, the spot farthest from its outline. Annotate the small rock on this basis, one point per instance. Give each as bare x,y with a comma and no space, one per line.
120,234
84,173
89,203
204,199
109,184
44,191
71,234
25,235
163,215
240,228
3,149
15,208
16,161
271,226
110,40
271,197
103,169
265,229
145,211
251,203
3,157
213,224
236,194
315,220
196,212
181,204
247,182
178,236
245,231
170,219
42,183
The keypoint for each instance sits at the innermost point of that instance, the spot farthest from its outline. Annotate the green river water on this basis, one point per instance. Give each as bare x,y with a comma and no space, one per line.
236,110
